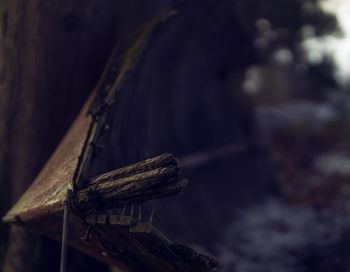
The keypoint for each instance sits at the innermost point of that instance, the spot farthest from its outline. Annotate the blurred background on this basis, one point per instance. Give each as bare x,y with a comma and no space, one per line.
252,97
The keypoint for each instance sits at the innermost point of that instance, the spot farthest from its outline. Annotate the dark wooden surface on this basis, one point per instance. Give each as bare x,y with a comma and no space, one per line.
52,54
140,182
183,97
40,208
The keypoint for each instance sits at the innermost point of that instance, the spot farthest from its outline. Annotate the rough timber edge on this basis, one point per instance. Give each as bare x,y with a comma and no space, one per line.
21,212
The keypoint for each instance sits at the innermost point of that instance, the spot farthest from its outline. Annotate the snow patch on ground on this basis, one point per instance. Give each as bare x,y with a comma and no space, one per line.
277,237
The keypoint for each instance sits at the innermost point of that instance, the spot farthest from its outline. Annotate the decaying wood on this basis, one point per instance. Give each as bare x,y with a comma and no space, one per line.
51,57
139,182
136,168
143,248
125,241
106,95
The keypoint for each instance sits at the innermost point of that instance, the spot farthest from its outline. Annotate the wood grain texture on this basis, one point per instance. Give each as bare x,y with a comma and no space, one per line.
183,96
139,182
153,178
52,53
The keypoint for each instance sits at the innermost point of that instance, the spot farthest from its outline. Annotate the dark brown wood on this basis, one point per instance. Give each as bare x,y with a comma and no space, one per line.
52,54
163,160
180,99
183,97
41,206
136,183
51,57
142,181
120,63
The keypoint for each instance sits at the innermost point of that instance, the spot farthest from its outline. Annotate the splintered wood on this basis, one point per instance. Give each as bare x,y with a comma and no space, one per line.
131,244
152,178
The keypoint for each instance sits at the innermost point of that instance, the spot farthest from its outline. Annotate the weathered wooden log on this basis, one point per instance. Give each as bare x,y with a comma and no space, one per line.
163,160
152,178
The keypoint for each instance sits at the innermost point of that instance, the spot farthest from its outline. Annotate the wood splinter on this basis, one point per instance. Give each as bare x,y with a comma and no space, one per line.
152,178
